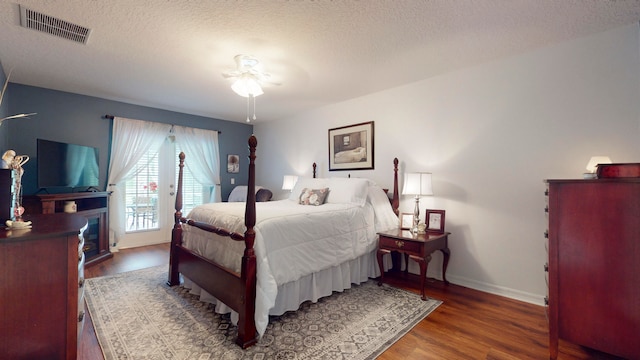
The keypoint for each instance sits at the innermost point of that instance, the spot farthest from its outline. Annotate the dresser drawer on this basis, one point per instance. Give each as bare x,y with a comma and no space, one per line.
412,247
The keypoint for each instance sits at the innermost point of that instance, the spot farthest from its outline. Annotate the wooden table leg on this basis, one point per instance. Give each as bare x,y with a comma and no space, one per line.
379,256
423,274
445,262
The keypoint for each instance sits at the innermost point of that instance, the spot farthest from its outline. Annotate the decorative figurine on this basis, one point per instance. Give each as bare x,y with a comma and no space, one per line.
15,162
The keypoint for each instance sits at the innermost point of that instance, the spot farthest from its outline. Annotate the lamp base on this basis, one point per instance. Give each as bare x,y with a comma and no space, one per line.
589,176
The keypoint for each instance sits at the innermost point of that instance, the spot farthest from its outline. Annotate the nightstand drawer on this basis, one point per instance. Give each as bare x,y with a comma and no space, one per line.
414,247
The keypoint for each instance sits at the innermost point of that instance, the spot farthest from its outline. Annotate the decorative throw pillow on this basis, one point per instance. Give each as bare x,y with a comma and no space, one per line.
264,195
313,196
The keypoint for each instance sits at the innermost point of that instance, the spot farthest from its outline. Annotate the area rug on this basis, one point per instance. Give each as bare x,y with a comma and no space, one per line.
137,316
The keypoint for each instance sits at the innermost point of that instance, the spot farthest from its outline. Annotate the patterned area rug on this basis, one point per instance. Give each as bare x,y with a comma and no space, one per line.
137,316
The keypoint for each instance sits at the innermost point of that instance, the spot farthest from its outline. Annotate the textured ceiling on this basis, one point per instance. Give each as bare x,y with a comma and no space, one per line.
171,54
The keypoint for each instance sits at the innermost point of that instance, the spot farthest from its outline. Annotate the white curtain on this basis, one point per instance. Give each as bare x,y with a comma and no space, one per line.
202,157
131,139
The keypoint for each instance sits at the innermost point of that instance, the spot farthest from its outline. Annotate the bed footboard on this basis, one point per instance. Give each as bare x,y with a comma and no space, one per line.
238,291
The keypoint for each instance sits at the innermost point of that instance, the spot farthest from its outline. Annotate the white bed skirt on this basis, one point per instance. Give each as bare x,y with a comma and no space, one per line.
308,288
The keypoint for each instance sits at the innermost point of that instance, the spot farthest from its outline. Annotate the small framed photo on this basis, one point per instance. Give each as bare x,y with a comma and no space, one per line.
435,221
233,164
406,221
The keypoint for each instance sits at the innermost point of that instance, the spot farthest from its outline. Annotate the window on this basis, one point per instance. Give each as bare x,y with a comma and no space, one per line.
193,193
146,206
141,195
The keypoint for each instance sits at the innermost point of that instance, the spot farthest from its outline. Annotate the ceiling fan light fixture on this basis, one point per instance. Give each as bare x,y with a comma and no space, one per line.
247,86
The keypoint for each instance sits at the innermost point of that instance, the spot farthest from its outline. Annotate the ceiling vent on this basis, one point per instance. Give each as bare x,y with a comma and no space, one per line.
63,29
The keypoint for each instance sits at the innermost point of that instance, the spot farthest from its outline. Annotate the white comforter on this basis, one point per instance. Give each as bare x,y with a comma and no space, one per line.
292,240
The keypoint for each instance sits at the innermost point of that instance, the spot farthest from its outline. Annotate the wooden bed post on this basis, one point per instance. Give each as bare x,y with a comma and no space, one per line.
176,233
247,335
395,202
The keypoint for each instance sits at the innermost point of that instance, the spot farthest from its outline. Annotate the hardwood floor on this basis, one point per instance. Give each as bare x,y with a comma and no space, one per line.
468,325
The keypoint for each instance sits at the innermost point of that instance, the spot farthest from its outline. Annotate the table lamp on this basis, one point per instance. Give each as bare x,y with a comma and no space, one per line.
289,182
417,184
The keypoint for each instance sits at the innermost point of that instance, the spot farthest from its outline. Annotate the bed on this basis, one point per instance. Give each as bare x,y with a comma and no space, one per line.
254,260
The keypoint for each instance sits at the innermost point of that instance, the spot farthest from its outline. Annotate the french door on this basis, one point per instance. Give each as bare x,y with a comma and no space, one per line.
150,197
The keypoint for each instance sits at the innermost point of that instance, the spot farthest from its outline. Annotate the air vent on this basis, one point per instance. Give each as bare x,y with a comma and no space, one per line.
63,29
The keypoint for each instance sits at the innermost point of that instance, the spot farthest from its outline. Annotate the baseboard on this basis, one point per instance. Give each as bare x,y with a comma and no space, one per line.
124,244
434,272
535,299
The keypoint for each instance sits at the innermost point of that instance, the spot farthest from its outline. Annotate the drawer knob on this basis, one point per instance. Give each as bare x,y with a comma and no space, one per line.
399,243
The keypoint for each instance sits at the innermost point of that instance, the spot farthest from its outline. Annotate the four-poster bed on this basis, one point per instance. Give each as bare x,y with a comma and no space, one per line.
260,272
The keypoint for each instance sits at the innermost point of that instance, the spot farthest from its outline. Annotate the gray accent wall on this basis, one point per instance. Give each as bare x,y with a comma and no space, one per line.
3,110
79,119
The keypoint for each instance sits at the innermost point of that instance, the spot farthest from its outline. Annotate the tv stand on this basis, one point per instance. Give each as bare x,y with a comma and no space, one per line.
92,205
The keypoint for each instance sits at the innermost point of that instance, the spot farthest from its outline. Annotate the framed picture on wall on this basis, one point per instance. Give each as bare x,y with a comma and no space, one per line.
233,164
435,221
351,147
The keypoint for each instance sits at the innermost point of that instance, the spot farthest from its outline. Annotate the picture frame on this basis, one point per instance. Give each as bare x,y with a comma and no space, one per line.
406,221
351,147
434,221
233,164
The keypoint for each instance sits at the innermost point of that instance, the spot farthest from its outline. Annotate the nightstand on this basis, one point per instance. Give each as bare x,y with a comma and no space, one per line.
417,247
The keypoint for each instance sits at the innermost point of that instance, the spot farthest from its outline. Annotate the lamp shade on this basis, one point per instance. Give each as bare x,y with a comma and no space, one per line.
417,184
595,160
289,182
247,86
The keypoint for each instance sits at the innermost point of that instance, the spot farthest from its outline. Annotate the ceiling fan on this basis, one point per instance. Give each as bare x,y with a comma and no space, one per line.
250,76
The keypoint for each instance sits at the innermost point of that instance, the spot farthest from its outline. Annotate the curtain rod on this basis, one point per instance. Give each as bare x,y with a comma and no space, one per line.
111,117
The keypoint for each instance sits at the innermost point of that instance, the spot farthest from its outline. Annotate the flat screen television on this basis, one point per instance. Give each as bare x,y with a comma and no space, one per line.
66,165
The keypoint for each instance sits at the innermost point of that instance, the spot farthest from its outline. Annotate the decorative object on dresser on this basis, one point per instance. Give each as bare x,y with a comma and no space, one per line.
594,264
92,205
417,184
351,147
417,247
613,171
5,193
592,166
130,312
15,162
42,288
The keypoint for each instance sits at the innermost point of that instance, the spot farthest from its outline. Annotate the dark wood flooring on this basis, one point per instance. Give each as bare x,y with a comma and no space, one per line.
468,325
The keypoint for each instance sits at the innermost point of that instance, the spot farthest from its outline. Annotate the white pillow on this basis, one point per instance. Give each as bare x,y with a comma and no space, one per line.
310,183
239,193
347,191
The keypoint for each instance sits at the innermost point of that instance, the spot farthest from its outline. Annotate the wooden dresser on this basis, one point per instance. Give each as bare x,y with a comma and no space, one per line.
594,264
41,288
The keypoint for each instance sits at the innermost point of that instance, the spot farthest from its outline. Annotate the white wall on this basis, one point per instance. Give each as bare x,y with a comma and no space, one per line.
490,135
